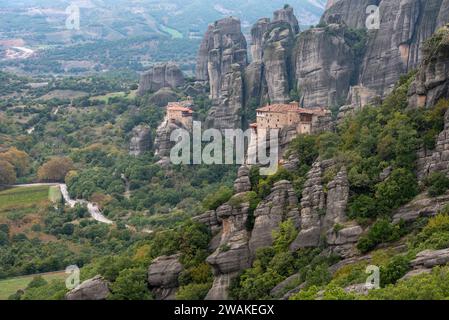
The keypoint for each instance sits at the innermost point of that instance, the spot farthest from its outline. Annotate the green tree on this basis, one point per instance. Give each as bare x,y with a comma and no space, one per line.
131,284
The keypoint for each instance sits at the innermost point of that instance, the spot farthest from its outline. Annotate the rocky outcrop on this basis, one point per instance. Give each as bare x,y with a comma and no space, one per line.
421,206
286,14
257,36
162,97
437,160
141,140
223,54
349,12
277,51
242,183
396,48
163,276
432,80
337,200
161,76
313,205
226,112
323,213
324,66
232,255
358,97
431,258
162,142
93,289
280,205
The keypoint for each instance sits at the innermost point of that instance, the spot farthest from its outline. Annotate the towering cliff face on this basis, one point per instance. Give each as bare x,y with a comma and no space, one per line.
325,64
396,47
257,36
287,15
349,12
222,59
165,75
277,52
432,79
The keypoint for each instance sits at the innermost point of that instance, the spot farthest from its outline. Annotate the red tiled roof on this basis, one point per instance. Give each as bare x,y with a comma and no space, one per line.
174,106
291,107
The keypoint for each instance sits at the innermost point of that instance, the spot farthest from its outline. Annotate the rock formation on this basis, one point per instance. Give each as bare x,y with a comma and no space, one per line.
325,65
286,14
431,258
161,76
163,276
396,47
140,141
162,97
437,160
232,255
93,289
221,61
280,205
324,213
242,183
257,38
432,80
349,12
277,51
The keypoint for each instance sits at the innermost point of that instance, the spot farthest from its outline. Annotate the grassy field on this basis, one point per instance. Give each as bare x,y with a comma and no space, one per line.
10,286
54,194
121,94
23,197
175,34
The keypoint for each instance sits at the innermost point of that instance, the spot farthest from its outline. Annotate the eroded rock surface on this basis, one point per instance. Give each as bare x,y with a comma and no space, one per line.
141,140
161,76
93,289
163,276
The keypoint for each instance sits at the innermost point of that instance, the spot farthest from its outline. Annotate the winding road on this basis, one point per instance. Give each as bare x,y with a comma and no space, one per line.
92,208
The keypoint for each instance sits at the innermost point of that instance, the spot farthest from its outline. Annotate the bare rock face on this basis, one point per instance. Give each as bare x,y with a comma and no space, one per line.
93,289
421,206
396,47
337,200
324,66
255,85
349,12
437,160
222,59
431,258
286,14
358,97
313,204
444,14
344,242
277,51
227,110
140,141
324,213
232,255
242,183
432,81
163,276
161,76
257,35
162,97
277,207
